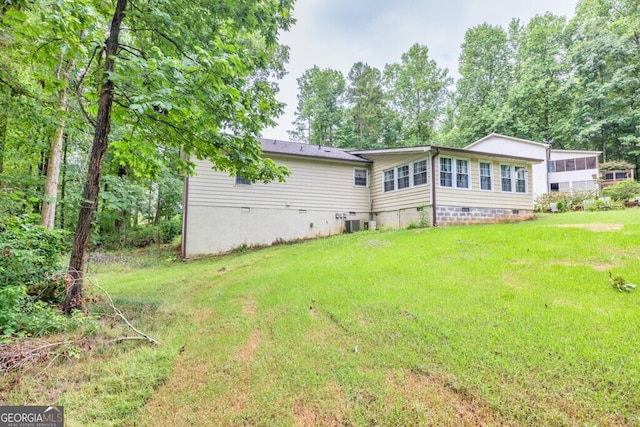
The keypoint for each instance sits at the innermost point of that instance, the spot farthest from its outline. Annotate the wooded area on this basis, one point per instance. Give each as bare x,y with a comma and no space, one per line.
574,83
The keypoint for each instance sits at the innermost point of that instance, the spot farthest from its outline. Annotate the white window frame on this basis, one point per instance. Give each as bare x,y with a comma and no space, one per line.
513,178
454,172
392,180
490,176
405,177
414,173
366,177
396,174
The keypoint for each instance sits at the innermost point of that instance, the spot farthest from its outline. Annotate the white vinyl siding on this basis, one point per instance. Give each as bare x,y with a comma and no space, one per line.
312,185
406,198
486,176
475,197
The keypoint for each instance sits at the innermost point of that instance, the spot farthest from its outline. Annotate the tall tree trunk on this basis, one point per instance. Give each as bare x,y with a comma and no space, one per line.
73,298
3,138
63,186
53,167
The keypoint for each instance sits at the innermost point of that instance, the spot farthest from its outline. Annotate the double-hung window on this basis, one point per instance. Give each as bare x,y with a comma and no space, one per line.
403,177
446,172
420,172
360,177
505,177
485,176
454,173
521,179
513,178
462,173
389,180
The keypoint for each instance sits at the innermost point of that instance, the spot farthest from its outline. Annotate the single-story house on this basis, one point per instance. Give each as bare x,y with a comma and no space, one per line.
332,189
559,170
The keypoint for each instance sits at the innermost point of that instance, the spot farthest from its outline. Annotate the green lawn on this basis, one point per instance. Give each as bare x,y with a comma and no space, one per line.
511,324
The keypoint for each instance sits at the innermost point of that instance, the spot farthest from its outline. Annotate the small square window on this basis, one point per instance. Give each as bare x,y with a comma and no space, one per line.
241,180
360,177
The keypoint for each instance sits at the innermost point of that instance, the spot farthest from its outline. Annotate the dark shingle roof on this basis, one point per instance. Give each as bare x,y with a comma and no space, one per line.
275,146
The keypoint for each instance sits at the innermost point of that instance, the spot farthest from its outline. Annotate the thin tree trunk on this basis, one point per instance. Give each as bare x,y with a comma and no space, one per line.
63,186
73,298
53,167
3,138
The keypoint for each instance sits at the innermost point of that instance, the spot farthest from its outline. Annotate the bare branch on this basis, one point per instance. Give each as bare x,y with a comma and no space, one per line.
124,319
79,87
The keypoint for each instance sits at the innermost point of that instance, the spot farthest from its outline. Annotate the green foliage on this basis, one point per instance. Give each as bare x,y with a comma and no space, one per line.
319,110
623,191
29,257
169,229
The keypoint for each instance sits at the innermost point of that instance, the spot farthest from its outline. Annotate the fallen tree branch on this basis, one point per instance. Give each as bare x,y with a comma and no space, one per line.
124,319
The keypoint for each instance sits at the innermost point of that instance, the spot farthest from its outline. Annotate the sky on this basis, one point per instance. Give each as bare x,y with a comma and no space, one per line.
338,33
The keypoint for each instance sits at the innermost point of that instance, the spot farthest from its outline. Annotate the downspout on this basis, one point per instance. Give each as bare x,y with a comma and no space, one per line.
433,187
548,156
185,215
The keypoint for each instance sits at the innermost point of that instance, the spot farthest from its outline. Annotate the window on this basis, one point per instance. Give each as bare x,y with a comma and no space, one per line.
241,180
420,172
560,166
570,164
405,176
551,166
462,173
446,172
521,179
458,168
389,180
505,177
581,164
592,162
555,186
513,178
360,177
485,176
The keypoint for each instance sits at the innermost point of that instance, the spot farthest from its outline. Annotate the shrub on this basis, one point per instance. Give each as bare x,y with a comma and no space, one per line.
623,191
29,282
170,229
29,257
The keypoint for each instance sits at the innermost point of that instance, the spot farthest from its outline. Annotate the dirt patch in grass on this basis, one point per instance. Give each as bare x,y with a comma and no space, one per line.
249,350
249,307
443,402
202,315
377,243
594,227
598,267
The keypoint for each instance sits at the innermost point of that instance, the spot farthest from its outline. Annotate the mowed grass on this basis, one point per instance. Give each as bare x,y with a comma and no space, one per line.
510,324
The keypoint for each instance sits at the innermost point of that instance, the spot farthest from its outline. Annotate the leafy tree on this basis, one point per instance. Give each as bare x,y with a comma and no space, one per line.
605,58
366,106
183,74
538,107
319,112
485,79
418,91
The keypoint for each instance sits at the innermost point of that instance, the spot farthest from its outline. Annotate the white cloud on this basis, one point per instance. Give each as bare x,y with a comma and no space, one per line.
338,33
